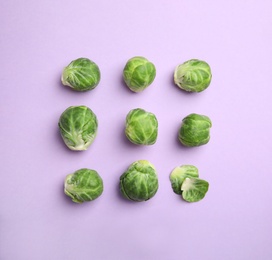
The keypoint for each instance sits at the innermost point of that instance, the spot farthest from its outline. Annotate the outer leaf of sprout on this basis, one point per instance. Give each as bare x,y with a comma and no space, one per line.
194,189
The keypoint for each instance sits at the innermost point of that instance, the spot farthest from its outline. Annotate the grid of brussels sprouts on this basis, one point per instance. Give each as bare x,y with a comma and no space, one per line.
78,128
185,182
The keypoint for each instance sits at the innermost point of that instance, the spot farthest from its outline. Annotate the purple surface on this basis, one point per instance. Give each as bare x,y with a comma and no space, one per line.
39,38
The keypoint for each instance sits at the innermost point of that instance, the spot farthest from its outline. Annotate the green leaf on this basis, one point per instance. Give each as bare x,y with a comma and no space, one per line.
194,189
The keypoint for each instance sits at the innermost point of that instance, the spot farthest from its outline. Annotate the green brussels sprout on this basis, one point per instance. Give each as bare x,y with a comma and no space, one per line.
193,75
141,127
78,127
195,130
179,174
139,182
194,189
81,75
139,73
83,185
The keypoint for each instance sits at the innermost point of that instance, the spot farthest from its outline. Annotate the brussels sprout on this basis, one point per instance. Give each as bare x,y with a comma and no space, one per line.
194,189
193,75
178,175
83,185
139,182
195,130
141,127
81,75
78,127
139,73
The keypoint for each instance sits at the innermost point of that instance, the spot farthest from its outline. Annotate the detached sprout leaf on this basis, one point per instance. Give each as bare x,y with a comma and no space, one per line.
193,75
194,189
81,75
139,73
139,182
78,127
179,174
185,182
83,185
141,127
195,130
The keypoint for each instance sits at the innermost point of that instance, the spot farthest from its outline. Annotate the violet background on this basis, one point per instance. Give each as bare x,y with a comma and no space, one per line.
39,38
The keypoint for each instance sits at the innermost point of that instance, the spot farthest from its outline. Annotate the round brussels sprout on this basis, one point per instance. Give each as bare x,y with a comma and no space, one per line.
194,189
139,182
83,185
78,127
179,174
139,73
195,130
193,75
141,127
81,75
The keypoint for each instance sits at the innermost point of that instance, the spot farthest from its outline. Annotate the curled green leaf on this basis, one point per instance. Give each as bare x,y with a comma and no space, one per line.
194,189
